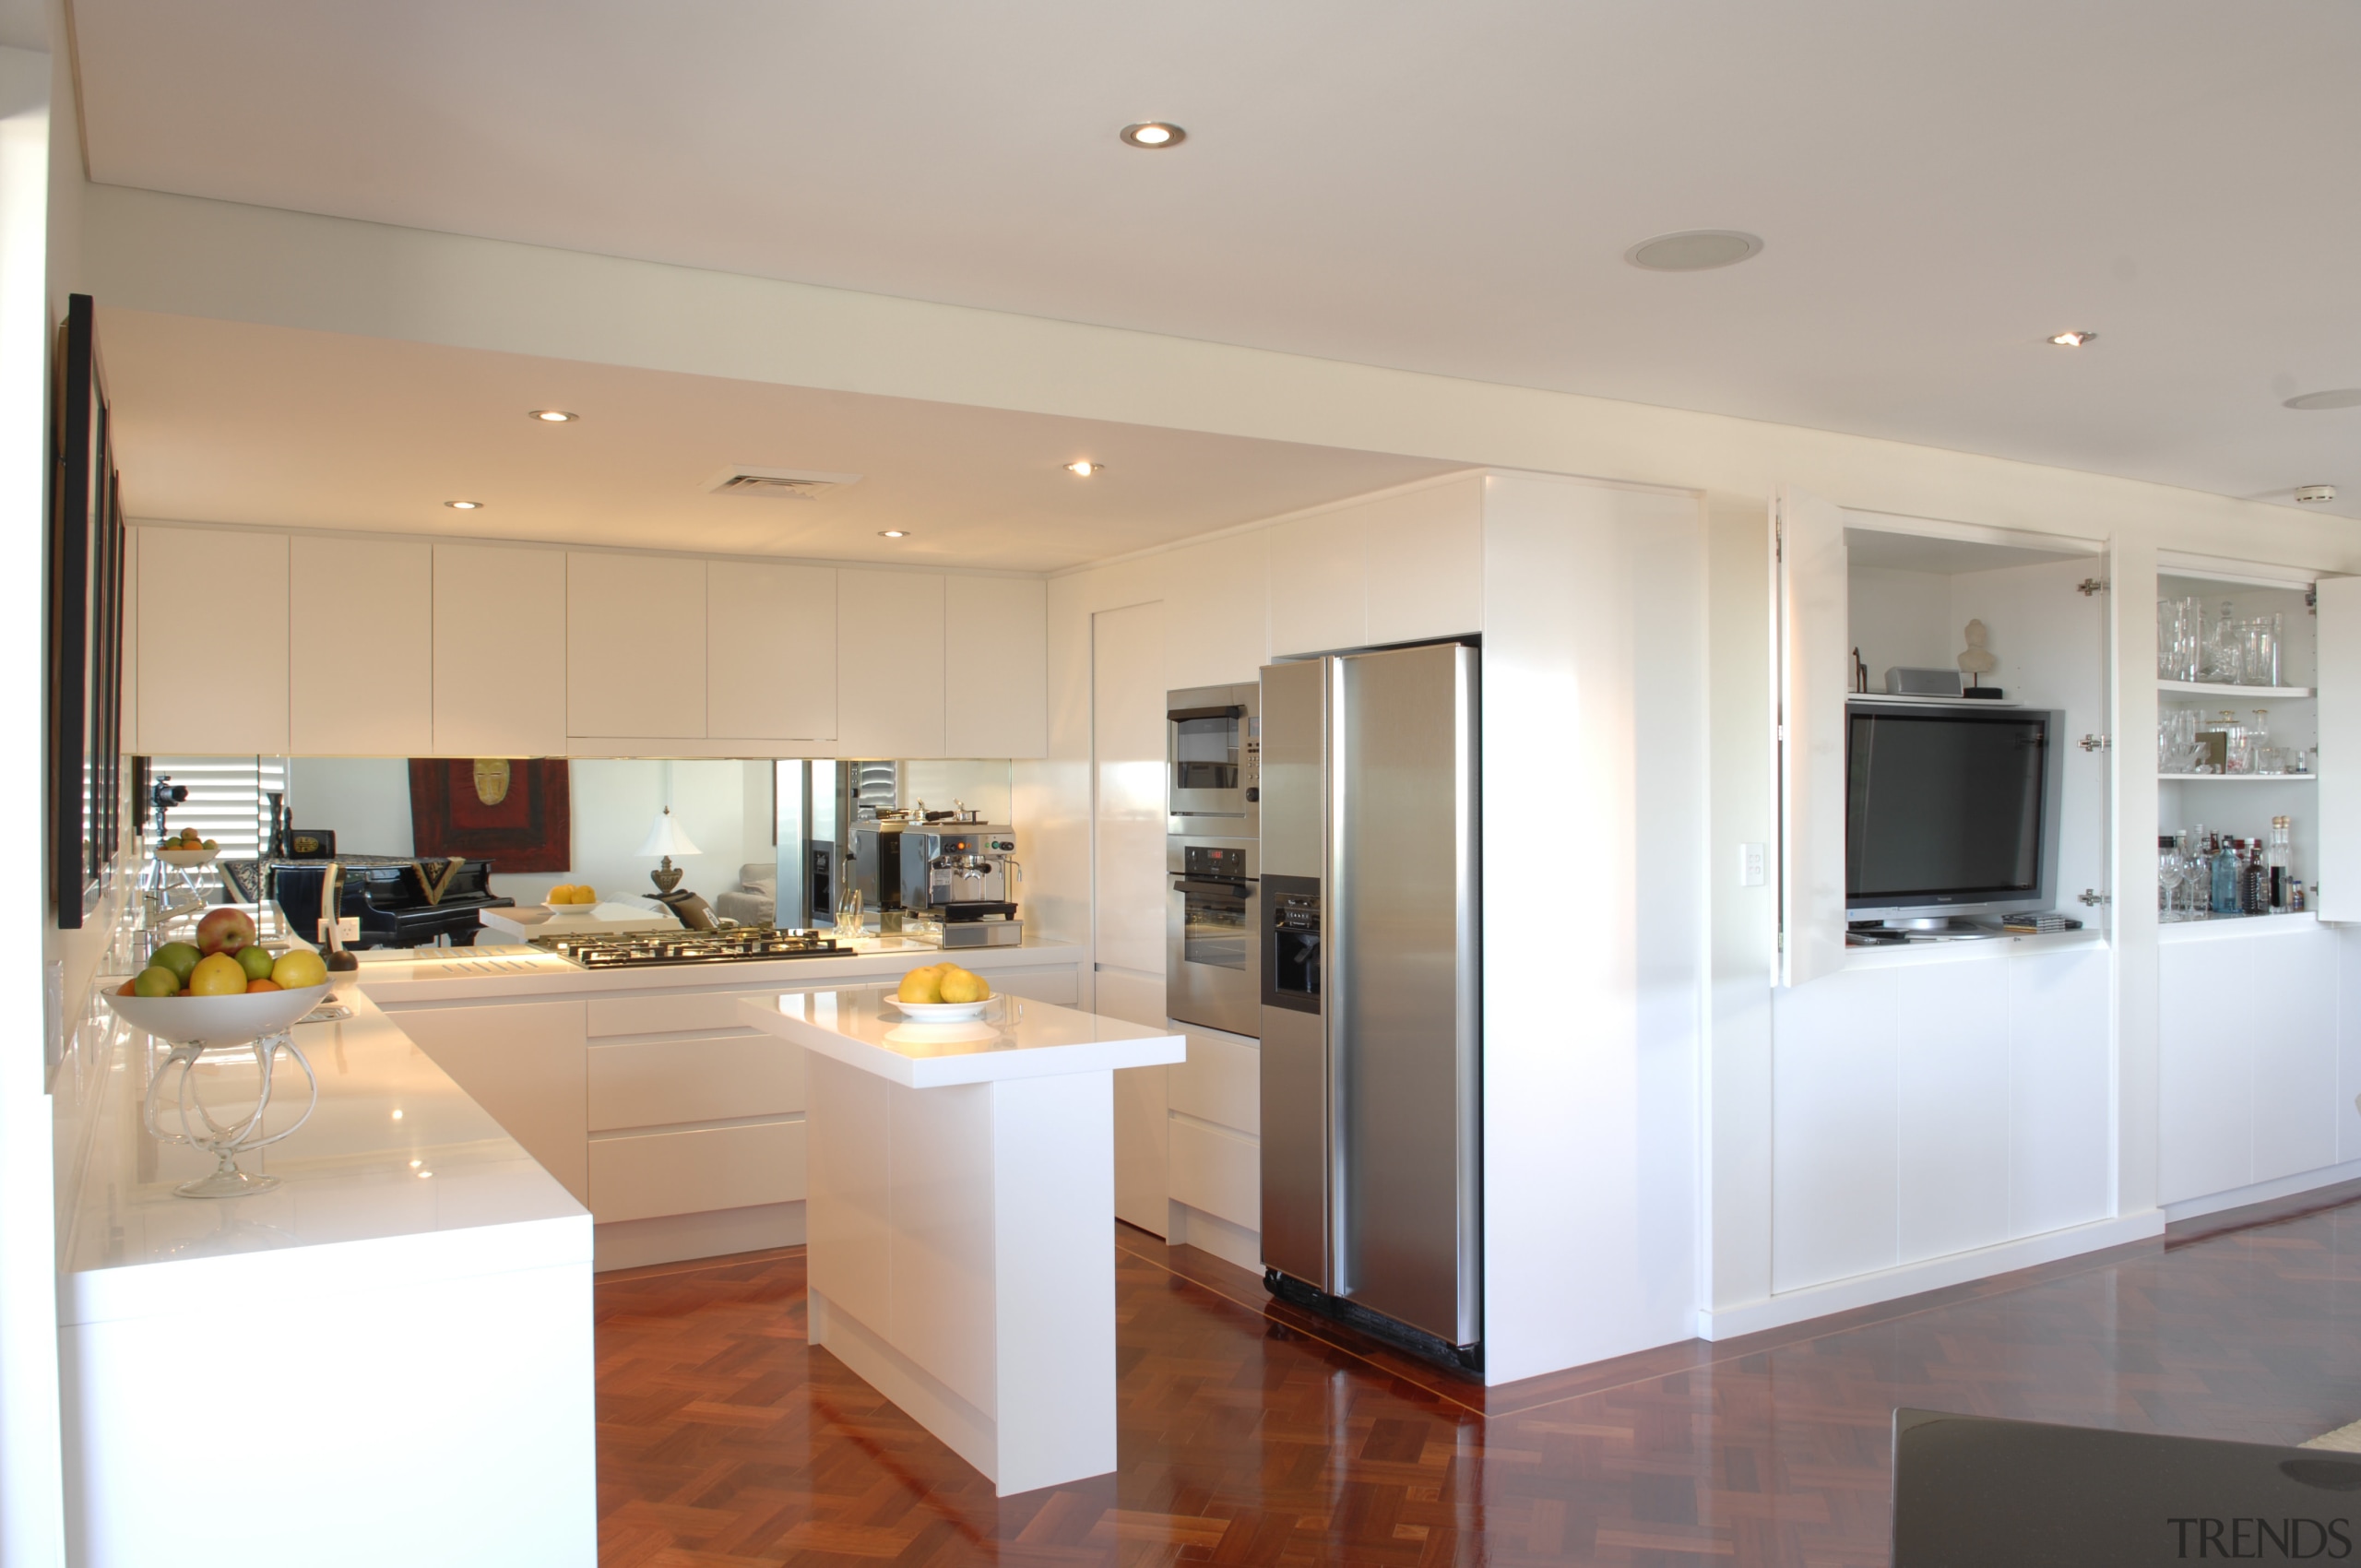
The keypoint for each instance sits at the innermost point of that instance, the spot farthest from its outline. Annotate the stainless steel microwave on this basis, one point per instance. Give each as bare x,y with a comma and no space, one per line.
1213,761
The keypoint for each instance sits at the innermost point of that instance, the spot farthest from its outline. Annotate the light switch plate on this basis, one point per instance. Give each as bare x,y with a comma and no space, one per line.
1753,865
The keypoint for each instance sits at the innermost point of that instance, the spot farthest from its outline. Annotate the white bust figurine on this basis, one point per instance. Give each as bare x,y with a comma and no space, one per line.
1977,660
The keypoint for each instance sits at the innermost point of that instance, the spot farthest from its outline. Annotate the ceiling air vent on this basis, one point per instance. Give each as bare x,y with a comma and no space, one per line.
780,484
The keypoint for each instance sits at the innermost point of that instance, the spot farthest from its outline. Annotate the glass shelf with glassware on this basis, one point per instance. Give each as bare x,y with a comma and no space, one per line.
2227,689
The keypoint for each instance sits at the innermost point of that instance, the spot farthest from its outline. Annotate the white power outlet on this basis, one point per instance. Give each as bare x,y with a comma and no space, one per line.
1753,865
347,928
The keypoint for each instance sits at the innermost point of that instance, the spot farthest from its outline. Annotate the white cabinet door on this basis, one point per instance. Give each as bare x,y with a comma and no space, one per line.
1218,610
1835,1131
332,710
1813,617
212,600
2205,1091
1426,562
634,645
889,664
2293,1052
1319,585
770,637
499,651
2061,1090
2336,890
1952,1078
995,639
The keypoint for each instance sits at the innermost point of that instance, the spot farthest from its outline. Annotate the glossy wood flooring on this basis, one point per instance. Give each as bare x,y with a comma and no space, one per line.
1253,1434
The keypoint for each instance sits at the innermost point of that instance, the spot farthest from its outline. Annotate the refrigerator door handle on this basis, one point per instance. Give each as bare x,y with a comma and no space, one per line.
1336,984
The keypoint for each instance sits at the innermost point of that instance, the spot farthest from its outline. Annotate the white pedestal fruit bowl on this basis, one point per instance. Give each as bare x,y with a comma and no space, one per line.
194,1025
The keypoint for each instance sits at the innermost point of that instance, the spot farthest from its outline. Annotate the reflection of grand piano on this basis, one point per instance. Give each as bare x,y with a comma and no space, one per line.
400,902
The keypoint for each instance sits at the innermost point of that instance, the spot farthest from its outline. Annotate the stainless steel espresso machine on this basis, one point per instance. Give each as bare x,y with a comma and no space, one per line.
965,875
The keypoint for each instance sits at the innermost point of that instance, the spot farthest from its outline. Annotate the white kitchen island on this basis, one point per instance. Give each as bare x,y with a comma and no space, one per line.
961,1195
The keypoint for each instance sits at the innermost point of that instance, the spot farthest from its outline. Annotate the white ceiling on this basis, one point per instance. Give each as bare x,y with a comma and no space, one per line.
222,421
1447,188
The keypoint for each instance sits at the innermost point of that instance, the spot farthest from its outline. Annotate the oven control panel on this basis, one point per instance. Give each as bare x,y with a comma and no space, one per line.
1206,860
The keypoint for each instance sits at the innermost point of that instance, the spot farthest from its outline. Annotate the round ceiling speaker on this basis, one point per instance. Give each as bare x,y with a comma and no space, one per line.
1694,250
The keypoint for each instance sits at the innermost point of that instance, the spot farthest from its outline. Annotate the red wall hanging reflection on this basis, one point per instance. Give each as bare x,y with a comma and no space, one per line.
517,815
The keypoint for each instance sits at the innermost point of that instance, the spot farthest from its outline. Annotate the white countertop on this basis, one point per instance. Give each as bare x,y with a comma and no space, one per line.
527,920
397,1177
477,974
1016,1039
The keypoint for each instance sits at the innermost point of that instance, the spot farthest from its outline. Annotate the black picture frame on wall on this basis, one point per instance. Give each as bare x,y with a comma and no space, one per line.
87,545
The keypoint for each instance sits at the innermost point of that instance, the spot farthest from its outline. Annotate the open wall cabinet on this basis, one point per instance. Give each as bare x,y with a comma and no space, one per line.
1859,593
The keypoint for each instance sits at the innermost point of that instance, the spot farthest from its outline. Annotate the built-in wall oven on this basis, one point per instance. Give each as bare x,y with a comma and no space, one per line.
1212,924
1213,905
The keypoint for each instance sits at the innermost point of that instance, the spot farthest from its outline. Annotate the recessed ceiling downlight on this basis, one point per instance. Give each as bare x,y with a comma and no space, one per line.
1084,468
893,533
464,505
555,416
1154,134
2341,398
2073,340
1694,250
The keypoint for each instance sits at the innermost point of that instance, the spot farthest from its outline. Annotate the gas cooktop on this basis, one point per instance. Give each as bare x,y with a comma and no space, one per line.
608,950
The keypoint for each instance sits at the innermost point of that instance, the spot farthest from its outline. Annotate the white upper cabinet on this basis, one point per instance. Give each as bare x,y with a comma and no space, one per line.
215,601
332,710
1217,610
1426,562
1318,584
499,651
995,654
1815,661
2338,881
620,610
890,664
770,651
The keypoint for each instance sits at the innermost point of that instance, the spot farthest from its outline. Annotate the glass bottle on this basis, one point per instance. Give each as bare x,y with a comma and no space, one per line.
2275,859
2223,896
2258,758
2254,881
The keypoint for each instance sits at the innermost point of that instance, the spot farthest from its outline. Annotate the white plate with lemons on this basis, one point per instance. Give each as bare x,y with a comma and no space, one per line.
942,993
583,906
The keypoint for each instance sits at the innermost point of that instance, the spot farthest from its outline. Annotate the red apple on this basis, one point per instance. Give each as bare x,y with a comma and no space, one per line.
224,930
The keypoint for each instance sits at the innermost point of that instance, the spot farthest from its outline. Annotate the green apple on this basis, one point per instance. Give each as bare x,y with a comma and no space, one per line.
180,958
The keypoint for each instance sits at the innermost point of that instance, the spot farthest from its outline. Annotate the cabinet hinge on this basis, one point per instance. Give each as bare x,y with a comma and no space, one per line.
1779,539
2094,742
2090,586
2094,898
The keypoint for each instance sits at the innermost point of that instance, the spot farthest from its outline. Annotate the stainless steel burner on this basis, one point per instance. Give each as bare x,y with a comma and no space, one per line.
732,945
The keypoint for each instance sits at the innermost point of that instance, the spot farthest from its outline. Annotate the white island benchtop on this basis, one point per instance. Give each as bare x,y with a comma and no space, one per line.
961,1196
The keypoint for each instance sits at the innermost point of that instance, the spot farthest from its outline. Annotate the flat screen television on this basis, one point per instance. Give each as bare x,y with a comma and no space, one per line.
1950,812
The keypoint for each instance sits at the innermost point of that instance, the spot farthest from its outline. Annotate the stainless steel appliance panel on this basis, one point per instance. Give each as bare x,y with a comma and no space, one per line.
1295,1130
1401,985
1212,928
1294,757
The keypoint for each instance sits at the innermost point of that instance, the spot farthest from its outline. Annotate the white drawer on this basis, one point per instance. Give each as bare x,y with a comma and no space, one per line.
1220,1082
700,1078
669,1015
1055,986
1207,1168
644,1175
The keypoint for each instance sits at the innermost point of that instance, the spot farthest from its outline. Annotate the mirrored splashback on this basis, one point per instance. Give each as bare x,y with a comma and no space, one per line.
588,823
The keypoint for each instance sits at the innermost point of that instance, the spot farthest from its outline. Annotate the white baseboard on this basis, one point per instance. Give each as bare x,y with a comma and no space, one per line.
2263,1191
1933,1274
673,1238
1212,1233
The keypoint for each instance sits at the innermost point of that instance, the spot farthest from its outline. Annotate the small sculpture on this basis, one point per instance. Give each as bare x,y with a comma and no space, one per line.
1978,659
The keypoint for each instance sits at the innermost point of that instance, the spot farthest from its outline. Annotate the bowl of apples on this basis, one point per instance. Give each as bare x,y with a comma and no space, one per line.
224,987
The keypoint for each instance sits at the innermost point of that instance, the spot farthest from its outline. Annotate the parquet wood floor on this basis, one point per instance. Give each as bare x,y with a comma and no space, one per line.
1253,1435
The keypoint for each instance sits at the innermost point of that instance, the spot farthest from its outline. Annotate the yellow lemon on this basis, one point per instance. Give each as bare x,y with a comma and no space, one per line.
586,894
959,985
298,968
221,975
921,985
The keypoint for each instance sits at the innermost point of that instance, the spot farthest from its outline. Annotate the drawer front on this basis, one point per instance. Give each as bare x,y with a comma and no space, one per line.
647,1175
1208,1168
669,1015
1055,986
1221,1081
700,1078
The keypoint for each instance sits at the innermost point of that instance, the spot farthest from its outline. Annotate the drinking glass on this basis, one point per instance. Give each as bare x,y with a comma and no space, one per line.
847,922
2259,651
2225,649
2168,870
2180,638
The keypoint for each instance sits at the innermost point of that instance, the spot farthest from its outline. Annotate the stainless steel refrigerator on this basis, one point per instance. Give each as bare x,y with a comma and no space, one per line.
1372,1025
